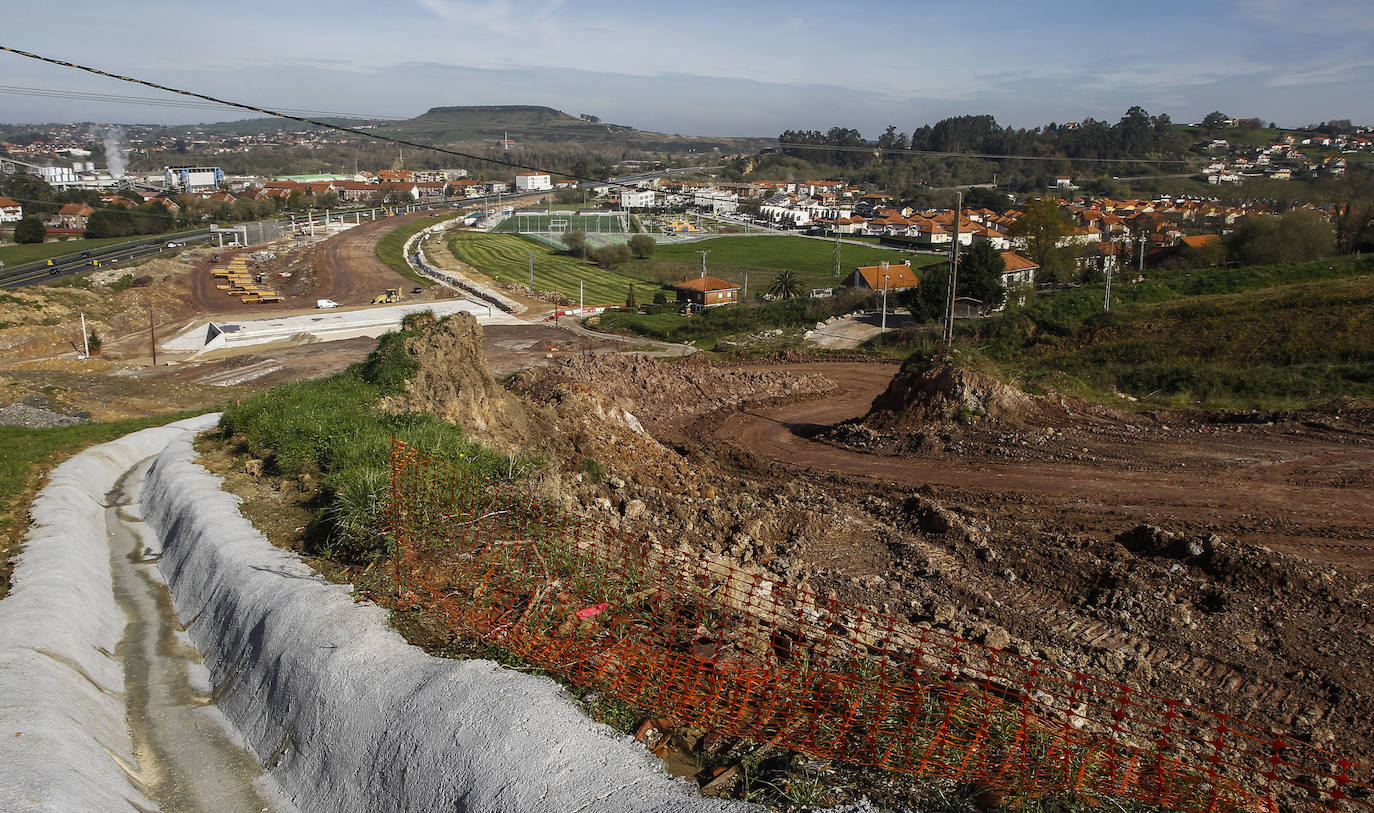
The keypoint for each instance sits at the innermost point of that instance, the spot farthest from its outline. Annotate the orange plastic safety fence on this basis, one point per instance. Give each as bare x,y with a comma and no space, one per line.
727,649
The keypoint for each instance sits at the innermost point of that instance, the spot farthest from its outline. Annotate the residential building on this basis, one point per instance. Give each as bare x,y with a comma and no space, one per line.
637,198
10,211
1018,270
74,216
706,292
533,182
882,276
718,201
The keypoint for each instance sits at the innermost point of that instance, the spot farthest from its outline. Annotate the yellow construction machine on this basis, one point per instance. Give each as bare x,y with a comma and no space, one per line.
391,295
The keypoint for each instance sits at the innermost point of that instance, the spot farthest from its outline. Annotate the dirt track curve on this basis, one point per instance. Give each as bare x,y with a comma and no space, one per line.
1292,489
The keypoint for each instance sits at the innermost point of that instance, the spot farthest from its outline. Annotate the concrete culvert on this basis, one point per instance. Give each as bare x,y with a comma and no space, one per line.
343,714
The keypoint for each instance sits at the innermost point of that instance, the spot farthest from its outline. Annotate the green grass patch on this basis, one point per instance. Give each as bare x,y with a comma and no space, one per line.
1265,337
389,248
333,428
705,329
26,454
731,258
21,254
506,257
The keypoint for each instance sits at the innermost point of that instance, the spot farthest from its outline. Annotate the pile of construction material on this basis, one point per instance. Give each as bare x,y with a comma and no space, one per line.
241,282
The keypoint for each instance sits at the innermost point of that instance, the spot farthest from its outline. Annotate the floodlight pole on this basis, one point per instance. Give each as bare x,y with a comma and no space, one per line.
531,272
581,300
703,261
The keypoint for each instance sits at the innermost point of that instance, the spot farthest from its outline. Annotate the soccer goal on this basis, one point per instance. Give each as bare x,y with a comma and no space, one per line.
558,225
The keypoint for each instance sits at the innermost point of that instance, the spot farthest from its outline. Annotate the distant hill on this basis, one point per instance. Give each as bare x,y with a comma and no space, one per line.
529,124
491,122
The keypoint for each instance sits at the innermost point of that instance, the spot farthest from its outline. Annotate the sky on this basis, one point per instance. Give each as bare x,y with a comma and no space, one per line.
706,67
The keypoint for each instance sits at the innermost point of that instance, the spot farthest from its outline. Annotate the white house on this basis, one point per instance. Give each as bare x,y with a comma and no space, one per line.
533,182
637,198
10,211
717,200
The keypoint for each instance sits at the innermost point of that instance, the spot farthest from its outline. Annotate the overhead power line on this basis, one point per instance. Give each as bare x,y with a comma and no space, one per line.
305,120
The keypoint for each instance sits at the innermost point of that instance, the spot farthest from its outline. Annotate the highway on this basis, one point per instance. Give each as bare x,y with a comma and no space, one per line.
78,262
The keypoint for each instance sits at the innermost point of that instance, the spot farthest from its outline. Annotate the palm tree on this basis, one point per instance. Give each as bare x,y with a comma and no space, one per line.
786,285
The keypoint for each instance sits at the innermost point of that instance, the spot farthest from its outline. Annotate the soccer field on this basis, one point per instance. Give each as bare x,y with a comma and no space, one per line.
506,258
540,223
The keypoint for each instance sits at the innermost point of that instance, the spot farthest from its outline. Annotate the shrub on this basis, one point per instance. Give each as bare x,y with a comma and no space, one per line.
612,255
643,245
29,230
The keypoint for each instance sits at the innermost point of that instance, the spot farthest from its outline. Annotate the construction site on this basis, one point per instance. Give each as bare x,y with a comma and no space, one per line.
810,564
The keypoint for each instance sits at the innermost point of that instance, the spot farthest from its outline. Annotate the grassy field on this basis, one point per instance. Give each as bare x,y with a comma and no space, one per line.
1264,337
389,247
705,330
505,257
731,258
12,255
591,224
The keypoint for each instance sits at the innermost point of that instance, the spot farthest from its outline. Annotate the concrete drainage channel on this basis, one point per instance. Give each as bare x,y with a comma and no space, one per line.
304,700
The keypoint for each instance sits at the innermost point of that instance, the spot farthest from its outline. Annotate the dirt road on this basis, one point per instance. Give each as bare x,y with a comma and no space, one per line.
1291,487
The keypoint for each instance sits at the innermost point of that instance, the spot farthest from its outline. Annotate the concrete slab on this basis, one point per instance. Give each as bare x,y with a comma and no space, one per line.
323,325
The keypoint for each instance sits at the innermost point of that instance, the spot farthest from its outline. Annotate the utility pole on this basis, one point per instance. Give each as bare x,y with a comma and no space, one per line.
835,260
884,324
85,338
152,332
953,271
746,285
581,301
1107,295
531,272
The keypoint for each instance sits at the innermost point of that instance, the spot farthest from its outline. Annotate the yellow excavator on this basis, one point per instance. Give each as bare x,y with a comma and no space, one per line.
391,295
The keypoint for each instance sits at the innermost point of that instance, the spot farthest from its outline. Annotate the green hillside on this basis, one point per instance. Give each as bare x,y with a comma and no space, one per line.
527,124
1263,336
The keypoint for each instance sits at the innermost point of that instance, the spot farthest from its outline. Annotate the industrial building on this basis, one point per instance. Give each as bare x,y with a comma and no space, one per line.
193,179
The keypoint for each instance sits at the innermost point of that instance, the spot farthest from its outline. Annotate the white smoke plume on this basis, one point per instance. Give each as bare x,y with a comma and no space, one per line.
115,156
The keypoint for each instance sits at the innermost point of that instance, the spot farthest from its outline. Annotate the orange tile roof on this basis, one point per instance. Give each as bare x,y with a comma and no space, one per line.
1200,240
898,276
706,284
6,203
1015,262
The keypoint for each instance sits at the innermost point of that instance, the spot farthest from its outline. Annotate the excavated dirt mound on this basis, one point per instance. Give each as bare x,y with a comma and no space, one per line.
942,394
942,409
665,395
454,383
